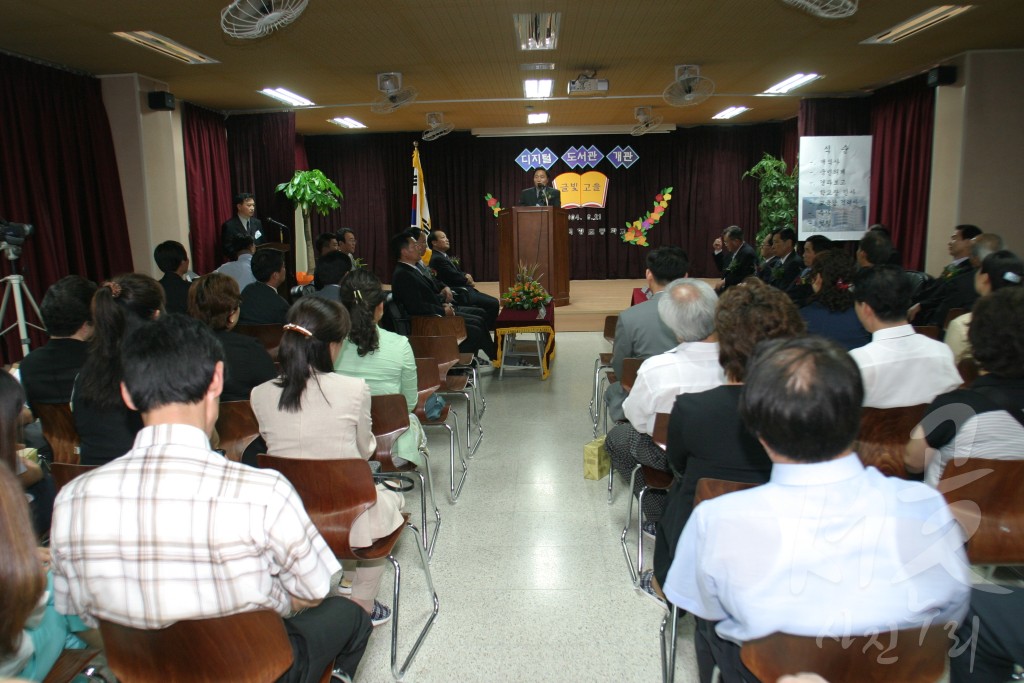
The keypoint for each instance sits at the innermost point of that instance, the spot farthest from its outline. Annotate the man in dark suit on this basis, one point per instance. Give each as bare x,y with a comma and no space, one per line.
332,268
172,260
785,272
416,293
261,304
954,287
736,259
541,194
461,283
243,224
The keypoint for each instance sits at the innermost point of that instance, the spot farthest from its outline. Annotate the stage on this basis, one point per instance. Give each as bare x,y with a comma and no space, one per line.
591,301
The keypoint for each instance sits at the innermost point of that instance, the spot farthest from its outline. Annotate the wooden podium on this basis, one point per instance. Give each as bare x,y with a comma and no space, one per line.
535,234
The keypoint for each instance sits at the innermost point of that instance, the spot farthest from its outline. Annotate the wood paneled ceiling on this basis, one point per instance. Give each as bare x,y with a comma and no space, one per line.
463,57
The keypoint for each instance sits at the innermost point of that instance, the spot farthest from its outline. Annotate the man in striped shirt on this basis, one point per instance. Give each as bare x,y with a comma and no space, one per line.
173,531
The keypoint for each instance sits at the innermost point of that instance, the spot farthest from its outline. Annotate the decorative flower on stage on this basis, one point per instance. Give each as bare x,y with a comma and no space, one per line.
493,204
636,232
527,293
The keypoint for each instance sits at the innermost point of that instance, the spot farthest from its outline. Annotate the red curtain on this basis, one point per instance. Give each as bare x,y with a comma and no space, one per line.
834,116
207,180
58,172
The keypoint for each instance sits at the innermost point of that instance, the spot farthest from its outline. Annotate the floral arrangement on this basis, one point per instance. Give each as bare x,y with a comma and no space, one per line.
359,263
636,232
493,204
527,293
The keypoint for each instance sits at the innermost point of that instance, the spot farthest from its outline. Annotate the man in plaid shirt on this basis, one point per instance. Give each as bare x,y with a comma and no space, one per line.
173,531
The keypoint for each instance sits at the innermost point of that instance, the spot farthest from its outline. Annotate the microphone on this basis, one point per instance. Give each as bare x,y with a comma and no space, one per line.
546,202
277,223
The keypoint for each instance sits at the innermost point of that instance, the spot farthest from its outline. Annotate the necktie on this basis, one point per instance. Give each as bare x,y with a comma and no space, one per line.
247,229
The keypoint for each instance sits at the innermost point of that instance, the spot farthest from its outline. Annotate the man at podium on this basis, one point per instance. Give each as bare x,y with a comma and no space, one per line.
541,194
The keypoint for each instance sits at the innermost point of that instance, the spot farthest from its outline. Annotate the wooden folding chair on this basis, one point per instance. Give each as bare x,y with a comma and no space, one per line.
63,472
268,335
930,331
390,416
603,363
71,664
59,430
237,428
630,368
986,497
335,493
446,352
427,374
884,435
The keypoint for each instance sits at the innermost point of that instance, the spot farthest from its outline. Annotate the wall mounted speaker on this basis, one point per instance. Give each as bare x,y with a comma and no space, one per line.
161,101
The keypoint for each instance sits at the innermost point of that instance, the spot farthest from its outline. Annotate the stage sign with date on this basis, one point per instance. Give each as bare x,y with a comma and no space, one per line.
835,186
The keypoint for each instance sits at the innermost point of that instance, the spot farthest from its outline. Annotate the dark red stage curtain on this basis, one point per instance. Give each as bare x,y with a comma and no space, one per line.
58,172
705,165
902,122
208,181
834,116
261,152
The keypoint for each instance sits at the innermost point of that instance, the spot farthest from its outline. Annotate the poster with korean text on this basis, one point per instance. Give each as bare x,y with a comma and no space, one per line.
835,186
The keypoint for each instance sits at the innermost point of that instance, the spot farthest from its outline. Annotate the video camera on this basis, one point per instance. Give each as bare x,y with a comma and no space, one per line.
14,234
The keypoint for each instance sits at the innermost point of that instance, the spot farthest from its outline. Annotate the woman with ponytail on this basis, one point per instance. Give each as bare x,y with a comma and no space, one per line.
830,313
313,413
105,425
384,360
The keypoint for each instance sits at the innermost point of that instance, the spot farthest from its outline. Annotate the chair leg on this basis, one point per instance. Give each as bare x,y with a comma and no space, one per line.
633,574
611,481
433,502
668,650
640,531
456,440
395,671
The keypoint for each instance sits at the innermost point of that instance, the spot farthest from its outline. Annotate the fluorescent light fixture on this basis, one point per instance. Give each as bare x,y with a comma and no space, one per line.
287,96
541,117
346,122
538,88
791,83
730,112
916,24
537,31
165,46
538,66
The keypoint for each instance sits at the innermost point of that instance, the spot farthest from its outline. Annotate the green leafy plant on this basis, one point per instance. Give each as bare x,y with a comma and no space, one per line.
777,208
311,191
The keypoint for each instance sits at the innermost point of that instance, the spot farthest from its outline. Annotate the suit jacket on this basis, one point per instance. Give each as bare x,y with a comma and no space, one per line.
788,278
246,365
448,272
529,197
745,260
262,305
48,373
415,292
233,227
953,289
175,293
330,292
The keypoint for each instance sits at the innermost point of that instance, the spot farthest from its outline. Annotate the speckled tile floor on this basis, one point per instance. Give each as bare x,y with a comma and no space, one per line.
528,567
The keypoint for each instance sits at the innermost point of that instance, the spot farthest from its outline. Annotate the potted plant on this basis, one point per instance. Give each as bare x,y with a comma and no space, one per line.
777,208
311,191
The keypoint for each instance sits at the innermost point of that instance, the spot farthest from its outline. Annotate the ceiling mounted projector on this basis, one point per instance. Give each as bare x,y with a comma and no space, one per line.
586,84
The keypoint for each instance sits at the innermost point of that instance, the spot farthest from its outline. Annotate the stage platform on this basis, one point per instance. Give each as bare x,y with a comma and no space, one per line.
591,301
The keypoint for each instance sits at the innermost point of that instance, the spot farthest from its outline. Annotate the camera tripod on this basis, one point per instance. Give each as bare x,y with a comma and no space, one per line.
15,283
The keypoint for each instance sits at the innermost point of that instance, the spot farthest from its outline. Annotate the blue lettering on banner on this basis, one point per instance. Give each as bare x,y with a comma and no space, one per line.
524,160
548,159
594,156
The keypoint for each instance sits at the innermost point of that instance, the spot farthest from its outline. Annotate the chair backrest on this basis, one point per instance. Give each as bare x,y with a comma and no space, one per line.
63,472
630,368
334,492
390,416
440,326
69,664
445,350
908,656
660,431
395,318
251,647
268,335
708,488
917,280
58,430
987,498
237,427
952,315
610,323
884,435
968,369
930,331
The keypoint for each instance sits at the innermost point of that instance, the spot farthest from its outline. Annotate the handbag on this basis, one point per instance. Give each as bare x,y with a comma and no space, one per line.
433,407
596,462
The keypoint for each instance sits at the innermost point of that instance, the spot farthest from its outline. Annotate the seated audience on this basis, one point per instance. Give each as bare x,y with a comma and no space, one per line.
261,304
989,644
999,269
801,292
705,435
640,331
172,260
240,269
48,372
325,244
384,360
687,308
37,483
219,537
898,367
766,257
954,288
874,249
347,244
463,287
785,272
894,255
214,300
794,555
983,420
106,426
736,260
330,271
32,633
312,412
475,313
829,313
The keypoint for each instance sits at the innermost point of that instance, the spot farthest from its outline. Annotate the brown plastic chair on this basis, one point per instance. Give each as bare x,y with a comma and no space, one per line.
389,414
629,372
251,647
446,352
335,493
268,335
660,435
968,369
908,656
987,498
603,363
59,430
429,382
654,479
952,315
930,331
440,326
237,427
884,435
63,472
630,367
71,664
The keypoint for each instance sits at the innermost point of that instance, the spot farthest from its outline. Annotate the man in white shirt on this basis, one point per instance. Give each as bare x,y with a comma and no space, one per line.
827,548
174,531
687,308
898,367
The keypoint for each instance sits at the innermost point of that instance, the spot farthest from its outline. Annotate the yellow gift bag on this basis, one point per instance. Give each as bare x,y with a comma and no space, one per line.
595,460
